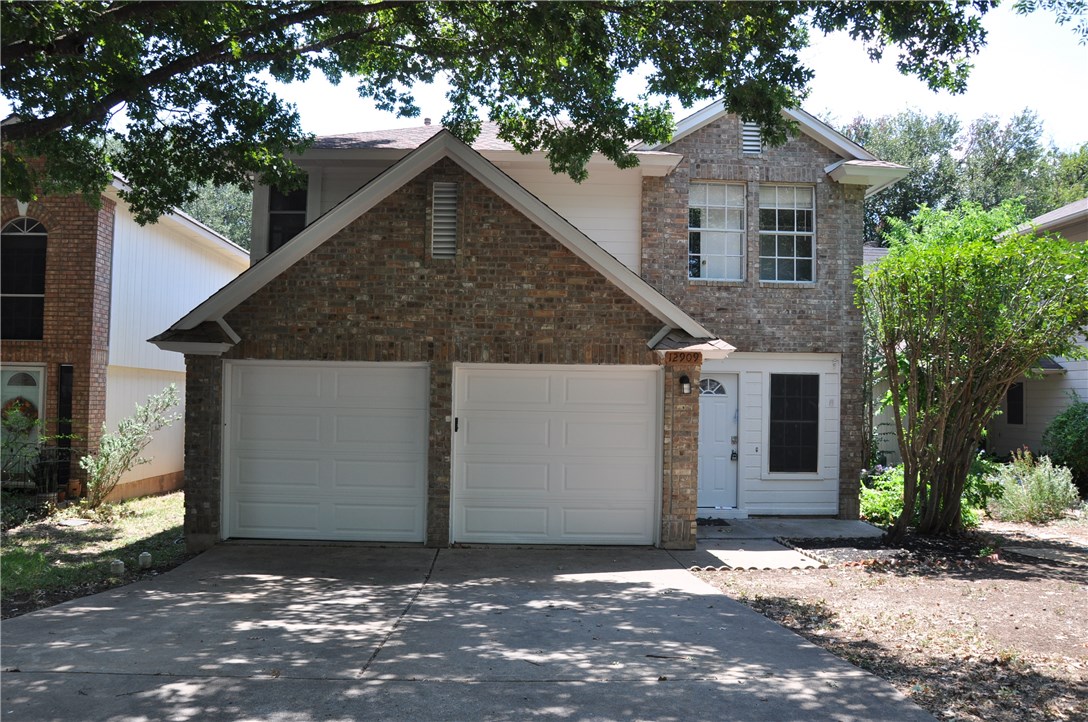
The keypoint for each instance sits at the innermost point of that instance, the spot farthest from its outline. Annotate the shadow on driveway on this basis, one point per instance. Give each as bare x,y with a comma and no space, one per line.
312,632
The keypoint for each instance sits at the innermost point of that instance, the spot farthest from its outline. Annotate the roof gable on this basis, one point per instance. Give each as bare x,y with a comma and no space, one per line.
442,145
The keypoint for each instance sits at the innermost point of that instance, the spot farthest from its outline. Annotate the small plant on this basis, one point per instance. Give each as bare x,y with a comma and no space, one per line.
120,451
1065,441
882,493
1034,490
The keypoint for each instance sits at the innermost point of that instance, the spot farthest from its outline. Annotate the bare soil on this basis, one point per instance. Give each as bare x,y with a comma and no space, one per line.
967,629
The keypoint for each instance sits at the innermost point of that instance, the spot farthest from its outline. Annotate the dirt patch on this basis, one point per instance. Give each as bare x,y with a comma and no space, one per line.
967,630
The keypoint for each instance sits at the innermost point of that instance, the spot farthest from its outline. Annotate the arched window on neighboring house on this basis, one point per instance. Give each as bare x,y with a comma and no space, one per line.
22,279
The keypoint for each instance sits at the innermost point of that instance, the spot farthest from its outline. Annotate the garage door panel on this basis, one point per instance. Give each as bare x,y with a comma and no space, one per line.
382,428
629,479
257,517
337,460
606,524
497,523
288,427
376,474
257,474
283,385
499,390
506,476
579,467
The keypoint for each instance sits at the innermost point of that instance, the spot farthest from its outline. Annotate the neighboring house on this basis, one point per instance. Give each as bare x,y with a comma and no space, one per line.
446,344
82,289
1034,401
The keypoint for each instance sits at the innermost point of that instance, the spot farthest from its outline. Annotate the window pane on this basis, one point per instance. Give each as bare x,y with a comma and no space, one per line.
714,266
282,227
733,244
695,217
766,269
766,245
695,244
794,423
766,219
803,197
697,194
804,270
733,268
694,267
290,201
785,269
715,218
714,242
804,221
21,318
785,246
735,220
804,246
785,220
716,194
736,194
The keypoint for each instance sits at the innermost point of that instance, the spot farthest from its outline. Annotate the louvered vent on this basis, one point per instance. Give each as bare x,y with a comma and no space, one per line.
444,220
750,141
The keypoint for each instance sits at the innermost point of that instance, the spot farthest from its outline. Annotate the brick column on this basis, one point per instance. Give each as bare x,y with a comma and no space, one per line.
680,451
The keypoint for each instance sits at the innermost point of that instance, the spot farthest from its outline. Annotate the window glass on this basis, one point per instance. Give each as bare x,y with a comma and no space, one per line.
794,423
716,231
286,216
1014,404
787,222
22,279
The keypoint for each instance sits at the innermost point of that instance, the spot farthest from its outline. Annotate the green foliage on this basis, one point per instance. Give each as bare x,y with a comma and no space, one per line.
120,451
1064,10
1034,490
1065,441
960,309
189,76
984,163
882,494
226,209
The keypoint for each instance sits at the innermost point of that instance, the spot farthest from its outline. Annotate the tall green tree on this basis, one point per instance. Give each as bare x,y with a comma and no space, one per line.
187,76
1007,161
960,308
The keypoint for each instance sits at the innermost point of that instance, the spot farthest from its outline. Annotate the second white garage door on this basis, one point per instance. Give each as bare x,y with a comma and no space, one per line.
556,455
333,451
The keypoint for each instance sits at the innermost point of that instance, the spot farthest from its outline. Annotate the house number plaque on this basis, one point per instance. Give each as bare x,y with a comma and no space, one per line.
683,357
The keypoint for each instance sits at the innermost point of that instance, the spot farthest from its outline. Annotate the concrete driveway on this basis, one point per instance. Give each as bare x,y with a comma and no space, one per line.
299,632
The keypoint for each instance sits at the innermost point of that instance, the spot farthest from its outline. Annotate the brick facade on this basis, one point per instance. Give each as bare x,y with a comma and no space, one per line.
76,321
756,316
372,292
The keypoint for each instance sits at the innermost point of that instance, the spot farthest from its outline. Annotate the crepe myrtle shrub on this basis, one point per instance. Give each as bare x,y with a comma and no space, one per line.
119,451
1065,441
1033,490
882,493
962,306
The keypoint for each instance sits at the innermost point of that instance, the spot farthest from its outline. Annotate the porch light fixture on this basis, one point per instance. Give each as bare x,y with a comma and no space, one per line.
685,384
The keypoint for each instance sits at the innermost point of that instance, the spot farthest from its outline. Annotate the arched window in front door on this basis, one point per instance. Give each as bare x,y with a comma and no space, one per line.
710,387
22,279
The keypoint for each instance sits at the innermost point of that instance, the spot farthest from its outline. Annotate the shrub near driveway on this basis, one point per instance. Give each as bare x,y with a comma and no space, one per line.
45,561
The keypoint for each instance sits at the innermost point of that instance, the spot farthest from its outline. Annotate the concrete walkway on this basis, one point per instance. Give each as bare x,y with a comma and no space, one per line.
308,632
753,543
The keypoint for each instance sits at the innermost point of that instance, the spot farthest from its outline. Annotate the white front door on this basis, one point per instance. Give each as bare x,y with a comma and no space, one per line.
718,429
556,454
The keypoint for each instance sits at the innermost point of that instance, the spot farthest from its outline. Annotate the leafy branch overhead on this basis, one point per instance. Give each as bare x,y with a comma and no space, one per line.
189,76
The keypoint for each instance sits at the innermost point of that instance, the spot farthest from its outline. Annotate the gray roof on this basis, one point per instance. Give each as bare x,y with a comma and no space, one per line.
872,254
408,138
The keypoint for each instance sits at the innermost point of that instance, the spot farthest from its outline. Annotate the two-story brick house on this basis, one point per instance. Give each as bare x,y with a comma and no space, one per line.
444,344
82,289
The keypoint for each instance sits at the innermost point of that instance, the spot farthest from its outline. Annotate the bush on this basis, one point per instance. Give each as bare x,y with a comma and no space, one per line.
1034,490
882,494
1065,441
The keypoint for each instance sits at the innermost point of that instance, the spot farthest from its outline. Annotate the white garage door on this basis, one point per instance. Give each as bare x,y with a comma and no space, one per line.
331,451
556,455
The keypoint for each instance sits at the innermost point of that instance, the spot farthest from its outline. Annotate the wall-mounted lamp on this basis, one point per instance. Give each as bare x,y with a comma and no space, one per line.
685,384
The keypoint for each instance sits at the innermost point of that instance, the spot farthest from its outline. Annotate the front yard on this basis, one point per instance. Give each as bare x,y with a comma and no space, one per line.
50,560
968,629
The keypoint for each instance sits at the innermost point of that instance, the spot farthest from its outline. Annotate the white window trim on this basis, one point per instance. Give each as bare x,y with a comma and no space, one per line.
743,230
43,379
811,234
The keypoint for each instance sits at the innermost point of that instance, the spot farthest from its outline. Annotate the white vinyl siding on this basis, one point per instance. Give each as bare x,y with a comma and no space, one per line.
716,231
126,387
759,490
787,233
556,455
160,274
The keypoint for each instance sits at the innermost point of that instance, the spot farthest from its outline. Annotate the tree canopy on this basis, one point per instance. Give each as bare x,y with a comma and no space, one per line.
188,76
960,308
985,162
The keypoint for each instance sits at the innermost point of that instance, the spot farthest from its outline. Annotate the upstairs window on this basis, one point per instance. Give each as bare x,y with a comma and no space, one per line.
286,216
444,220
794,423
22,280
787,223
1014,404
716,231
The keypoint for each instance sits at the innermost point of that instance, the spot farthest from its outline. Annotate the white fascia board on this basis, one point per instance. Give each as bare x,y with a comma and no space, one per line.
195,348
876,175
809,124
441,145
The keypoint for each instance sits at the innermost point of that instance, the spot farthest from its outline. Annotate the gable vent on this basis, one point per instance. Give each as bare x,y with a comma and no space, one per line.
750,140
444,220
